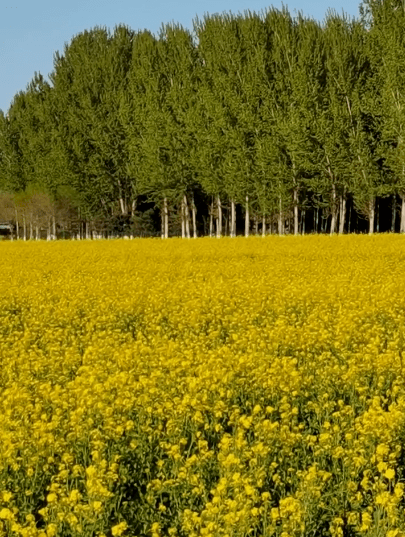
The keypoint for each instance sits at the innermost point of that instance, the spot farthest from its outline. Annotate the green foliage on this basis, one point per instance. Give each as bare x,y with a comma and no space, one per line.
276,109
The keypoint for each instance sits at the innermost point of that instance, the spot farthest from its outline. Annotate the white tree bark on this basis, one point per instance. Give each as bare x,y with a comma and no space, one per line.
371,216
183,218
186,217
219,218
263,226
17,228
402,229
211,218
296,211
194,213
247,217
333,221
53,228
123,206
166,218
233,218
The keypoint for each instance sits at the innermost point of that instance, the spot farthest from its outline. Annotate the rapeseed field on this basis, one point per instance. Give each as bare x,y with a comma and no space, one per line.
232,388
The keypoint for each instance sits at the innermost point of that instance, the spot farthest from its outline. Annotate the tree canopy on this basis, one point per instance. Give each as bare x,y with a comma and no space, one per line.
255,120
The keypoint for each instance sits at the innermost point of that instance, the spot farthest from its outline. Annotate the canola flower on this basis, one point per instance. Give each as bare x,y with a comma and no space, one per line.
203,388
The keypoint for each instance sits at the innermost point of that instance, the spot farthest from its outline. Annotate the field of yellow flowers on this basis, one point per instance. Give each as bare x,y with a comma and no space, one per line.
233,387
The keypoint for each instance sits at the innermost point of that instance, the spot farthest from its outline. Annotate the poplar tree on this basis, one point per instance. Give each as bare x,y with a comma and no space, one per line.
294,93
179,137
256,91
333,125
139,111
268,112
89,79
387,51
11,179
225,134
148,135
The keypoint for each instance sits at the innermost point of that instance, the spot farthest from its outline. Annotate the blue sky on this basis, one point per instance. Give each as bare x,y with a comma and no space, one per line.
31,31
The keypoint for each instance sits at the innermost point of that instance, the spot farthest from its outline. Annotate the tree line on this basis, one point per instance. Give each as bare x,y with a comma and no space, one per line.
251,123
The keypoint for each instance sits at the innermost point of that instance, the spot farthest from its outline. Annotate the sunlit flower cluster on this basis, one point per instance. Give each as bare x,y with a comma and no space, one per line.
207,388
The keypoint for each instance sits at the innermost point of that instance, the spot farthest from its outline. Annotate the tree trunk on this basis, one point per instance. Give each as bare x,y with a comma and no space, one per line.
263,226
247,218
256,224
342,213
233,219
317,220
17,229
48,230
53,228
212,218
80,224
31,230
333,221
219,217
186,217
123,206
166,218
133,208
394,212
303,222
88,236
24,228
402,230
296,221
371,216
183,219
350,218
37,233
280,218
194,213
